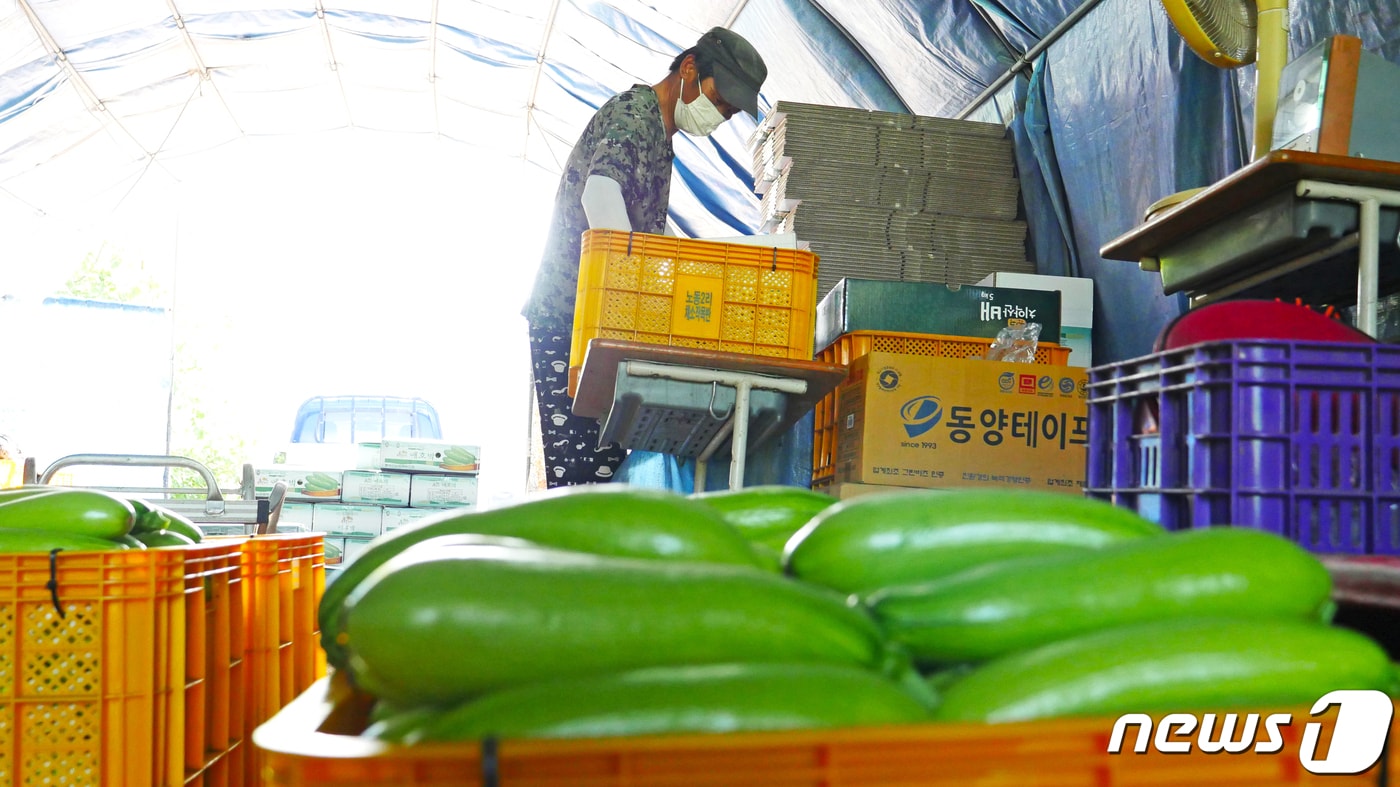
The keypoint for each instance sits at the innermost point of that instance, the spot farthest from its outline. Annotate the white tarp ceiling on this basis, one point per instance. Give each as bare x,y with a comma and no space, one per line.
97,95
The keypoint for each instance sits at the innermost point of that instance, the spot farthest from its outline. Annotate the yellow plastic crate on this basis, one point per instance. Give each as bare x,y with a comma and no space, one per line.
313,742
88,668
284,576
212,715
855,344
659,289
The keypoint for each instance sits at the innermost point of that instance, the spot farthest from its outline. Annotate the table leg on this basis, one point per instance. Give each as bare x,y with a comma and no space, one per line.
703,460
739,448
1368,253
1368,279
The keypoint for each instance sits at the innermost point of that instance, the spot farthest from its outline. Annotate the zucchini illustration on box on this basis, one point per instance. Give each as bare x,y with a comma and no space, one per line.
459,459
320,485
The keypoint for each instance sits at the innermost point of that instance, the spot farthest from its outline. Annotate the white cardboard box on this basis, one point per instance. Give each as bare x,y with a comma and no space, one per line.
1076,308
298,513
374,487
367,456
443,491
353,548
339,519
395,518
429,456
323,485
335,550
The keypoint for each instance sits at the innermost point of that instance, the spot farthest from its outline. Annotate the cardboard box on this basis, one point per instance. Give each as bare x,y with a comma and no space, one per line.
848,491
443,491
1076,308
429,456
303,483
374,487
335,550
367,456
354,547
297,513
925,307
395,518
913,420
339,519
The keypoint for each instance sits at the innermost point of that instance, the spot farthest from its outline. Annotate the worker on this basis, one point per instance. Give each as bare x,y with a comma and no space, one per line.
618,177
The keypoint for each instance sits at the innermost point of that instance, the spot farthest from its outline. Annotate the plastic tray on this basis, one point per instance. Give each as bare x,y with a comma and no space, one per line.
855,344
661,289
1298,438
284,576
86,683
311,743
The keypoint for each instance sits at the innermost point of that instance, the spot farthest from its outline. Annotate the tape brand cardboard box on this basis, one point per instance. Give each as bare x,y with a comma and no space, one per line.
920,421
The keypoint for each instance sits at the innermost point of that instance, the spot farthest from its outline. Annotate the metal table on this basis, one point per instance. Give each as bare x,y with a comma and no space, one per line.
611,390
1292,224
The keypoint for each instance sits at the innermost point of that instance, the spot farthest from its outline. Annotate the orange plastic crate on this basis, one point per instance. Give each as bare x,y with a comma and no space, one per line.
86,683
679,292
214,671
312,743
284,576
850,346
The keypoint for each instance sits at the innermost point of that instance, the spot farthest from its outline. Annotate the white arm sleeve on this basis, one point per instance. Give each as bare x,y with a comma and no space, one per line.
603,204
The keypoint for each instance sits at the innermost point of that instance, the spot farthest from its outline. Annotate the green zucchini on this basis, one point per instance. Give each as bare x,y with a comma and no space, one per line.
130,541
1001,608
442,623
27,540
149,519
876,541
605,519
28,490
85,512
164,538
768,515
176,522
1179,665
717,698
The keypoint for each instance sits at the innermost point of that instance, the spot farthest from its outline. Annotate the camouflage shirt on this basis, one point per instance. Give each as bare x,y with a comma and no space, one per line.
626,140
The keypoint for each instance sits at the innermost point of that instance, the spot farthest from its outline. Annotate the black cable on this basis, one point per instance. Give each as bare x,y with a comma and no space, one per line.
52,584
490,763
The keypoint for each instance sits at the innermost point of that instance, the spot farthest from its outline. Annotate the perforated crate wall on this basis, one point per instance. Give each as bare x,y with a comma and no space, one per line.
1298,438
84,669
284,577
214,683
750,299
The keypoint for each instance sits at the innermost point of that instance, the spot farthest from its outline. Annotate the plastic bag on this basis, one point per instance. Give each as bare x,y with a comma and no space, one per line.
1016,344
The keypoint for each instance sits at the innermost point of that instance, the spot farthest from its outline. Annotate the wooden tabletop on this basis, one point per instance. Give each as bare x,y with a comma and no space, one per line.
1276,172
597,380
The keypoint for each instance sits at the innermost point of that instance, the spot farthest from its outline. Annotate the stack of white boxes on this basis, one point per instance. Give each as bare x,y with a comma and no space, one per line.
395,482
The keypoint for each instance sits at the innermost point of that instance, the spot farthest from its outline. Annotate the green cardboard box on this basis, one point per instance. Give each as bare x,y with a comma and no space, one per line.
930,307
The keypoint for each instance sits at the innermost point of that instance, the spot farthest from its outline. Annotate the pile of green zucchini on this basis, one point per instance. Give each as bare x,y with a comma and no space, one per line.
609,610
44,518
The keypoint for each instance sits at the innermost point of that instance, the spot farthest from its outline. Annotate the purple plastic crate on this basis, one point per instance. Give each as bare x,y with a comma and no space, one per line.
1298,438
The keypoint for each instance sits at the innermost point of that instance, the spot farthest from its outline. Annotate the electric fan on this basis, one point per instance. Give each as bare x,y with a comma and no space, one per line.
1232,34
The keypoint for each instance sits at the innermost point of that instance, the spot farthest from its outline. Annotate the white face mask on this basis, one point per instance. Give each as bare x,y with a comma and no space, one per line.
698,118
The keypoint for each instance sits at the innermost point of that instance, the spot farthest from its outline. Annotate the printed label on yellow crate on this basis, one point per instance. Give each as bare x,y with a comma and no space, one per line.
910,420
695,308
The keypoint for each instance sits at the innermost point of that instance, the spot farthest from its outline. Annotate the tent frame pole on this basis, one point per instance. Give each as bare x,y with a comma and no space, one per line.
1024,61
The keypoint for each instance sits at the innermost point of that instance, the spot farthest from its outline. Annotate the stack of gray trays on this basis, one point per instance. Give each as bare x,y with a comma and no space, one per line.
883,195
